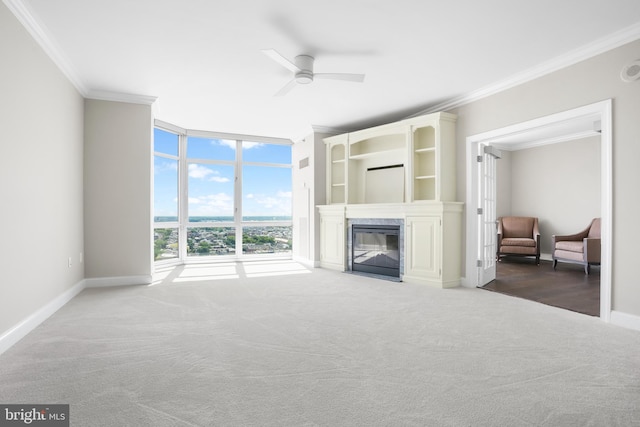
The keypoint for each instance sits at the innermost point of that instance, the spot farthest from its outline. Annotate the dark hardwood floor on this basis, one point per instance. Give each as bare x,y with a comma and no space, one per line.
567,286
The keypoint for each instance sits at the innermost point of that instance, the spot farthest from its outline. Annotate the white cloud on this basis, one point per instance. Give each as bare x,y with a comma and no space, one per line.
202,172
232,144
226,142
219,179
164,166
197,171
220,204
248,144
268,204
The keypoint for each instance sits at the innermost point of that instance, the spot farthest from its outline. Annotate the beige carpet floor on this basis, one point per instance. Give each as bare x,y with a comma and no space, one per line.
277,344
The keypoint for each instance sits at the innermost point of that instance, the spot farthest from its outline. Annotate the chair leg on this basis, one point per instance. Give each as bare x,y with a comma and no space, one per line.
587,269
555,263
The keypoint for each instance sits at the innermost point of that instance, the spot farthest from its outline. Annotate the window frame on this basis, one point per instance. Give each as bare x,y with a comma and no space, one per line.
184,223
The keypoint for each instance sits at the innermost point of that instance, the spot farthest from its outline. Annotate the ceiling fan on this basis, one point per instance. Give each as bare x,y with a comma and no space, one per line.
302,67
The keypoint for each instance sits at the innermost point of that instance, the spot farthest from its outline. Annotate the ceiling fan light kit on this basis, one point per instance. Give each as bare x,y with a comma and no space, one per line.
302,68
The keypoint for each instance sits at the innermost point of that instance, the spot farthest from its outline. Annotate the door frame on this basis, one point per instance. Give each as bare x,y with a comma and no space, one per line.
600,111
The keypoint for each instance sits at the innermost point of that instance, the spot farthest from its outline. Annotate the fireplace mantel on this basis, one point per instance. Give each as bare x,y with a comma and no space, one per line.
429,257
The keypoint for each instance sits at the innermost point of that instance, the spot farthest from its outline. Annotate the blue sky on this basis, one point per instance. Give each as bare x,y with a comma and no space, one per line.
266,190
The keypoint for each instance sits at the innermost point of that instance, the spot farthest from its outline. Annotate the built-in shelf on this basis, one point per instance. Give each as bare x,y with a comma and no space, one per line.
376,154
412,160
425,150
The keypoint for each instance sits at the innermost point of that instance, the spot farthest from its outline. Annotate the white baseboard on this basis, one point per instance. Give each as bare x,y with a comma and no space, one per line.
101,282
625,320
19,331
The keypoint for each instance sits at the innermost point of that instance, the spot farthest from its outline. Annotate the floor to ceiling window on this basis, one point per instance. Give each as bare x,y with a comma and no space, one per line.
165,195
218,196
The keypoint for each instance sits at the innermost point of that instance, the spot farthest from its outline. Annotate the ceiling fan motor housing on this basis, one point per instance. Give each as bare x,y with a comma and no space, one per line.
305,64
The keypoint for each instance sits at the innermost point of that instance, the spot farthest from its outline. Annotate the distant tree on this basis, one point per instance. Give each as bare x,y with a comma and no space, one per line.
204,247
258,239
158,247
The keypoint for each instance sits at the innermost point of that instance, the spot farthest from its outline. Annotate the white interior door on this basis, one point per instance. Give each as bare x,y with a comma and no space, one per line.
487,220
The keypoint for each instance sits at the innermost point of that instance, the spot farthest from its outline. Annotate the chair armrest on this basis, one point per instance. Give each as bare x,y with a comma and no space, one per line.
572,237
536,235
592,248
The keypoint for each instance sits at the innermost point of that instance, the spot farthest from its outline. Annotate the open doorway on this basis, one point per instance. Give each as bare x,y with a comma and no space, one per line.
561,127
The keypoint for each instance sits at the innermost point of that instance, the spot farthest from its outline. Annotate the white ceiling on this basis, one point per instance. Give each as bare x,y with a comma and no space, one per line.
202,59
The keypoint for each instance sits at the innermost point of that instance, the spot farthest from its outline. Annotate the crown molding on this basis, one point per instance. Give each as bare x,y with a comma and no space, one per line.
612,41
102,95
39,32
41,35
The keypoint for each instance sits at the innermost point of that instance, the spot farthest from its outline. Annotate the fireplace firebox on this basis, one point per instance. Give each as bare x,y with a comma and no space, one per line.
376,249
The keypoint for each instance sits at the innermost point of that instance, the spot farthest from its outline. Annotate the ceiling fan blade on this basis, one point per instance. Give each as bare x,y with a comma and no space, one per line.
273,54
286,88
340,76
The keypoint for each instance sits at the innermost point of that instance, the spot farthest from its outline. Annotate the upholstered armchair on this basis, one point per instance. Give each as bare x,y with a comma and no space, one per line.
580,248
518,236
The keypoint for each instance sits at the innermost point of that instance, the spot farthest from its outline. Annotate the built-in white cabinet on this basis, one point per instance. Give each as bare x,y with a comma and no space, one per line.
403,170
433,254
423,238
333,237
408,161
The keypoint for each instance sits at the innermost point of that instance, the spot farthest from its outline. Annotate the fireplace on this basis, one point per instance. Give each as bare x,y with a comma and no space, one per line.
376,249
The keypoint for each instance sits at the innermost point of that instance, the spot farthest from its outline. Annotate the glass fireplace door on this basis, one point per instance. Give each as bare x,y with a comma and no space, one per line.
376,250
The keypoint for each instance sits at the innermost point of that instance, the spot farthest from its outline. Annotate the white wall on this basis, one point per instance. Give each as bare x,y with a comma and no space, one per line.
117,192
587,82
41,118
503,184
559,184
308,192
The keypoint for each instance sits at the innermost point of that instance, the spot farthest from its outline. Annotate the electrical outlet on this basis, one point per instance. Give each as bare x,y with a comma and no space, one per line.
69,261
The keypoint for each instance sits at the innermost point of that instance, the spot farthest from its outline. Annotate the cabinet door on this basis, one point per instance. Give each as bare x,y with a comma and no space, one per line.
424,255
332,241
